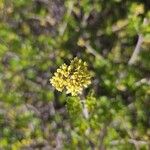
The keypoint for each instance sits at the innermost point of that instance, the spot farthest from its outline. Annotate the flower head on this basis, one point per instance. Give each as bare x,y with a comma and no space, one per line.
72,78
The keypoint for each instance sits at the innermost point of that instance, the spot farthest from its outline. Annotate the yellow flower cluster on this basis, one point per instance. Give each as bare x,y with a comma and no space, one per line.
72,78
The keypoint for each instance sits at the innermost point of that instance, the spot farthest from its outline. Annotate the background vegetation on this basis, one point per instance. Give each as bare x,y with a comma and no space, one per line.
37,36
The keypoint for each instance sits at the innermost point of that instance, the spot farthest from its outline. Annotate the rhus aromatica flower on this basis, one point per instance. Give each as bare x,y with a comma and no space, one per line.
72,78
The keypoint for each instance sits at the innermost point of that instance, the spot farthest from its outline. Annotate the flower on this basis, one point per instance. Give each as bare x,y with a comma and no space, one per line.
72,78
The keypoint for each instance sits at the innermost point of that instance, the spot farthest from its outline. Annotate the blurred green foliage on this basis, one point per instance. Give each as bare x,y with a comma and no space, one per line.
36,37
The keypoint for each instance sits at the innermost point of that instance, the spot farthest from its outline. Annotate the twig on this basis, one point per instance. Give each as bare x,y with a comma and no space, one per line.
131,135
92,51
143,81
64,25
137,49
84,107
116,28
132,141
85,110
34,109
102,135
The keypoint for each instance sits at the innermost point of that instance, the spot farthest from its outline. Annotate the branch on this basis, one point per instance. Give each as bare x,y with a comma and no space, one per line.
132,141
103,134
92,51
85,110
64,25
136,50
34,109
137,47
